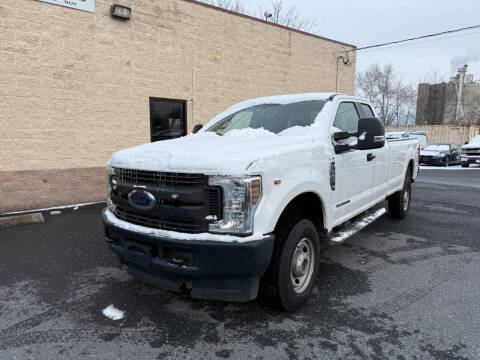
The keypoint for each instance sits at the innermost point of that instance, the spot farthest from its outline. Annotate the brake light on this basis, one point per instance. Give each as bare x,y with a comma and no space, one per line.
418,163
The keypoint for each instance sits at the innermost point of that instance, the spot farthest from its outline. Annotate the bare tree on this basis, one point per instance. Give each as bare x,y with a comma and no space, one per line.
434,76
233,5
394,101
280,14
289,17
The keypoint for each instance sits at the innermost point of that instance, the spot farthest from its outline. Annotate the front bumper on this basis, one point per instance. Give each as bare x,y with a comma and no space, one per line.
470,159
203,269
432,160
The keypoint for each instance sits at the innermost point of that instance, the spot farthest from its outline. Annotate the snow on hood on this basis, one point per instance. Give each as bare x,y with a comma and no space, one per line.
473,144
209,153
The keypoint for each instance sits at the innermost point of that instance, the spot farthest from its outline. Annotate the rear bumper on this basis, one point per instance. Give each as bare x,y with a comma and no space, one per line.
204,269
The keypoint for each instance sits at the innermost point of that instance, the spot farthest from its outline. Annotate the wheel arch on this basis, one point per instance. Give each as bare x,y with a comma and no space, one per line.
307,205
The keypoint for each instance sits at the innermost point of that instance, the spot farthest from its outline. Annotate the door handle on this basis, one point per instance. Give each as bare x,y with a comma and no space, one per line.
370,157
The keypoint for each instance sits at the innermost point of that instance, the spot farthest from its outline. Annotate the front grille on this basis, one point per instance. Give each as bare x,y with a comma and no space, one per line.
131,176
214,201
184,202
471,152
425,157
159,222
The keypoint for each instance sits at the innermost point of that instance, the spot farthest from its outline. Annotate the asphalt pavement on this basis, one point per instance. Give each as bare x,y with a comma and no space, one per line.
405,289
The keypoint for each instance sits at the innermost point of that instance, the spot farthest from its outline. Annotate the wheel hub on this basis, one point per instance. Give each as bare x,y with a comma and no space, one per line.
302,265
405,199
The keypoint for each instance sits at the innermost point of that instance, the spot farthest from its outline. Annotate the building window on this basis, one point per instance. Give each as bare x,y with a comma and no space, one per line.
168,119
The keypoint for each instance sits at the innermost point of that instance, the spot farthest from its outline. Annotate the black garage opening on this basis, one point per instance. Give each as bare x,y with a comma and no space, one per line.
168,119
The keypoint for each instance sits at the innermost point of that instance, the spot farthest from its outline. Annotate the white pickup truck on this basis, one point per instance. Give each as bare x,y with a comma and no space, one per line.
244,204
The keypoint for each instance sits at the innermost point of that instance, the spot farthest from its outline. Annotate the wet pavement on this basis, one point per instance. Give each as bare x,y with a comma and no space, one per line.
399,289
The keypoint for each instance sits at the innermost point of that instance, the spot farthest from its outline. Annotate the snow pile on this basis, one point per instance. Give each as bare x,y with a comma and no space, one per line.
180,236
113,313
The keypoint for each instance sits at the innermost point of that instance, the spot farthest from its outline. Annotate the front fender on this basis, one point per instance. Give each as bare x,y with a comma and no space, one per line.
295,181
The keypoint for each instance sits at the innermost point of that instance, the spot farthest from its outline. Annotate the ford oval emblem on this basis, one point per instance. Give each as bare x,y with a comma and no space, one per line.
141,199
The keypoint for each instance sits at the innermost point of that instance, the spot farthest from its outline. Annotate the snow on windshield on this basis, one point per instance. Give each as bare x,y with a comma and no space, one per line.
437,148
275,118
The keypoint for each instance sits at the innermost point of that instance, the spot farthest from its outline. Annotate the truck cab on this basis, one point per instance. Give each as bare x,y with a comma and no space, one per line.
244,204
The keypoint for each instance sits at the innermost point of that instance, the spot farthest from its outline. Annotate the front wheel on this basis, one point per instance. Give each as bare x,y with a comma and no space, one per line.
293,271
465,165
399,202
447,162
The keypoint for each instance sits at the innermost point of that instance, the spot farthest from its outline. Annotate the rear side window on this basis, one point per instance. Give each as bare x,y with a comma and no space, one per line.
365,111
347,117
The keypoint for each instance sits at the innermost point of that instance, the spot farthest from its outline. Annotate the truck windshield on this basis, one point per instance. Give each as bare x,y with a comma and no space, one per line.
271,117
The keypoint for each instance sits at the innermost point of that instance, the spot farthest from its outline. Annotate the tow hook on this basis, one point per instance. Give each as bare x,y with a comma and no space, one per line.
185,287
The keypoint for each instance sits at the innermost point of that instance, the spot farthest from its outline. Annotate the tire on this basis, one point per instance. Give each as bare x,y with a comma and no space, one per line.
292,273
465,165
447,162
399,203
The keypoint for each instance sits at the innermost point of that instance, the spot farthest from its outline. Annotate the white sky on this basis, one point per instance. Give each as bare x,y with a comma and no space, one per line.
367,22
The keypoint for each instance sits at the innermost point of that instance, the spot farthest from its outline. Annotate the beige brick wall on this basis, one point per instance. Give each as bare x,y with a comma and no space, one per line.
75,86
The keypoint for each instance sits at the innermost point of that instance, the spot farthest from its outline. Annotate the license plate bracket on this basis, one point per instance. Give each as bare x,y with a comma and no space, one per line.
137,253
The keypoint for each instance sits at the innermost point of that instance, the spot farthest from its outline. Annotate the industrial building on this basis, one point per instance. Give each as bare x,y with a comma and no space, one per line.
83,80
456,102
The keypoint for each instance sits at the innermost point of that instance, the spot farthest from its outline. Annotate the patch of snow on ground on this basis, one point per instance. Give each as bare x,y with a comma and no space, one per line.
113,313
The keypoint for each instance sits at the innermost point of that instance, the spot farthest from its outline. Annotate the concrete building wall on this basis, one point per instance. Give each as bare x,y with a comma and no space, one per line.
75,86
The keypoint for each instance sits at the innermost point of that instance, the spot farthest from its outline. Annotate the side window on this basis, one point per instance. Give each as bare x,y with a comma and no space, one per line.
366,111
347,117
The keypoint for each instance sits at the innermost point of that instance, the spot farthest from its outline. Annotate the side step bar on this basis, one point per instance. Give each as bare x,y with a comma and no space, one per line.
346,232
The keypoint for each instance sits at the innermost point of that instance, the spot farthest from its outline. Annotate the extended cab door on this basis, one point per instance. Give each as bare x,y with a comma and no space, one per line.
379,159
354,170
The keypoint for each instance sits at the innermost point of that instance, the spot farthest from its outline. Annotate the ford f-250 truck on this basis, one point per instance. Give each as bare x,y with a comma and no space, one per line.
244,204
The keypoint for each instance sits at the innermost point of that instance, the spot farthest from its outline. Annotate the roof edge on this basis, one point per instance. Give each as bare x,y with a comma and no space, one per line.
267,22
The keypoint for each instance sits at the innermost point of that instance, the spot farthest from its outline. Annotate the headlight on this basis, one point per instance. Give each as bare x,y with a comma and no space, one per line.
240,200
111,181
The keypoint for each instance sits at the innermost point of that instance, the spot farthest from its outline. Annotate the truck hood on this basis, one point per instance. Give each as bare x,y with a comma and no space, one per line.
432,152
209,153
474,144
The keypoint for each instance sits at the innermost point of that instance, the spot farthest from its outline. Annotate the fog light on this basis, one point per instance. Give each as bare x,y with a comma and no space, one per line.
121,12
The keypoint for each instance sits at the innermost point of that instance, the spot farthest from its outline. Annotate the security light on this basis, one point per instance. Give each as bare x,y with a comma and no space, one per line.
121,12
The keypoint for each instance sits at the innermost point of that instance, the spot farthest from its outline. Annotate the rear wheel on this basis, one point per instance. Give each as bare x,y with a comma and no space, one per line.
291,276
399,203
465,165
447,162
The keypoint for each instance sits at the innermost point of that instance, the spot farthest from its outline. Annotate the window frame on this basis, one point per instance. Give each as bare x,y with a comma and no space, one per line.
185,115
360,110
354,106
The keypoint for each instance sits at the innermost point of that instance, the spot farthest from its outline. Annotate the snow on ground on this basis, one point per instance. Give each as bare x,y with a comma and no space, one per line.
113,313
453,167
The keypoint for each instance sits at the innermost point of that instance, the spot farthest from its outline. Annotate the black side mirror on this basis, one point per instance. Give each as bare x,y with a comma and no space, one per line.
196,128
371,134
